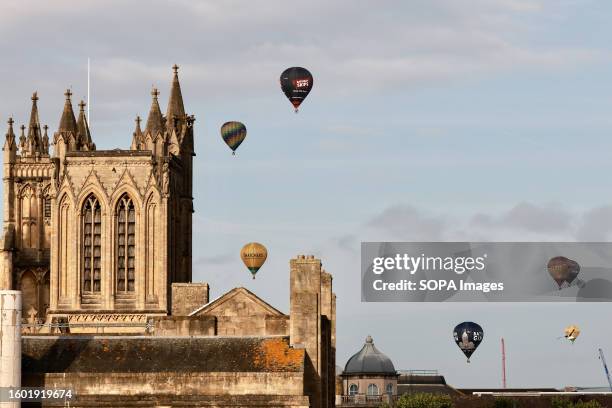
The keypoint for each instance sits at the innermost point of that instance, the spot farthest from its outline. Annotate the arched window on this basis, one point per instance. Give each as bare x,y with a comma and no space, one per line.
353,389
126,239
390,389
372,389
92,241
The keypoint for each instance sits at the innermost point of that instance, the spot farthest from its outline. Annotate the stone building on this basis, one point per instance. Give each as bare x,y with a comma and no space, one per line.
369,377
100,244
90,231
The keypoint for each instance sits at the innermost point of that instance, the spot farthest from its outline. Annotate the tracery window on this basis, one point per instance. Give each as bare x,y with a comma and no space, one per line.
92,244
126,244
353,389
372,389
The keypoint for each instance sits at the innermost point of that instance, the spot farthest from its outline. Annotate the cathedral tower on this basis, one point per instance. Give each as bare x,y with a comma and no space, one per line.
92,233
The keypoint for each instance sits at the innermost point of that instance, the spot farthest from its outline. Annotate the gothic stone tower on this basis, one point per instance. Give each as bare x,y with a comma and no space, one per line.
27,173
99,235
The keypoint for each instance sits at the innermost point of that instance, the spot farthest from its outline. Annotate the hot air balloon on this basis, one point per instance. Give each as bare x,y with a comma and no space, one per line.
563,270
468,336
296,83
233,133
254,255
571,333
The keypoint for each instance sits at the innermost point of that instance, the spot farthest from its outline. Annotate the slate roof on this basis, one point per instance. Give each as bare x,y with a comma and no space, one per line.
133,354
369,360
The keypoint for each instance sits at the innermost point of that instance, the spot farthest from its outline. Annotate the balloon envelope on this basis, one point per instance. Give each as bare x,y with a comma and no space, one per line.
468,336
253,255
563,270
571,333
233,133
296,83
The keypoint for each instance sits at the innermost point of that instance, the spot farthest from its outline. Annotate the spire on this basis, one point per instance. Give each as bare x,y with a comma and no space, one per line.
83,129
155,121
176,110
34,139
137,140
45,141
9,142
68,121
22,141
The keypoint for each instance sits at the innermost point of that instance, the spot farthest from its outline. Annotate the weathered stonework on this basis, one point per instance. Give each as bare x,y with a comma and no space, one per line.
186,297
100,244
89,230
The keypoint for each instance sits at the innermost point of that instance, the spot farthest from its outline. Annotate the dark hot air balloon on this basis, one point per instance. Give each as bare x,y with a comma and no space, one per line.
296,83
468,336
563,270
253,255
233,133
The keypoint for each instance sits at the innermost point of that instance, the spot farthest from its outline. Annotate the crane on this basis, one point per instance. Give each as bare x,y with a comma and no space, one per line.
603,361
503,350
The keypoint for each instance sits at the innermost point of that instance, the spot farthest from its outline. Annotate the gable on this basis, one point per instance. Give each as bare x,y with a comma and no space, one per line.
238,302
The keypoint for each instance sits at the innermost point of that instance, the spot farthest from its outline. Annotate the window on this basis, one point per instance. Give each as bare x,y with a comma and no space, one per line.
47,209
372,389
353,389
390,389
126,238
92,228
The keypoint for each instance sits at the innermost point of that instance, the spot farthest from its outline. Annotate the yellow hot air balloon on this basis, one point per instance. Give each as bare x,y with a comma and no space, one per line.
254,255
571,333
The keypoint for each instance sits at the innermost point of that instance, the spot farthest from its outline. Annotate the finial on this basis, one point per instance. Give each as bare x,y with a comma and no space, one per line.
175,68
10,122
82,105
35,96
369,339
22,129
45,127
68,94
155,93
138,120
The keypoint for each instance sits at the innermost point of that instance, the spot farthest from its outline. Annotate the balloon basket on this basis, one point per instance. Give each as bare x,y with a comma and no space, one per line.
233,153
296,110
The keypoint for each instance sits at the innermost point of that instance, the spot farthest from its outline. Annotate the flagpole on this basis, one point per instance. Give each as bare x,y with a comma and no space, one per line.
88,102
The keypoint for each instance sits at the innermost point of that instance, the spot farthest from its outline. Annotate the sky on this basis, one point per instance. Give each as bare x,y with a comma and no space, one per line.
429,120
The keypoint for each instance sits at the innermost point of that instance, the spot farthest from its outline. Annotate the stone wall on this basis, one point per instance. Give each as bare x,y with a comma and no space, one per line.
187,297
185,326
240,312
312,326
253,371
195,401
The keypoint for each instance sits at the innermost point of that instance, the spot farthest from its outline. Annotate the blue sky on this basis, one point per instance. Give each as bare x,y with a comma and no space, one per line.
428,120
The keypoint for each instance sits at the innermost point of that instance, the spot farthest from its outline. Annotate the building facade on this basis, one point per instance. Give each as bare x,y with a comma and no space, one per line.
90,231
99,242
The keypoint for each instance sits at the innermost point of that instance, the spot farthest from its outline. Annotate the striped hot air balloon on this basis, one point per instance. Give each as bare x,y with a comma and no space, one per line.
233,133
253,255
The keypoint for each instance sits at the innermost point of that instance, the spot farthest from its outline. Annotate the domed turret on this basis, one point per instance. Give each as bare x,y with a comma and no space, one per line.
369,360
